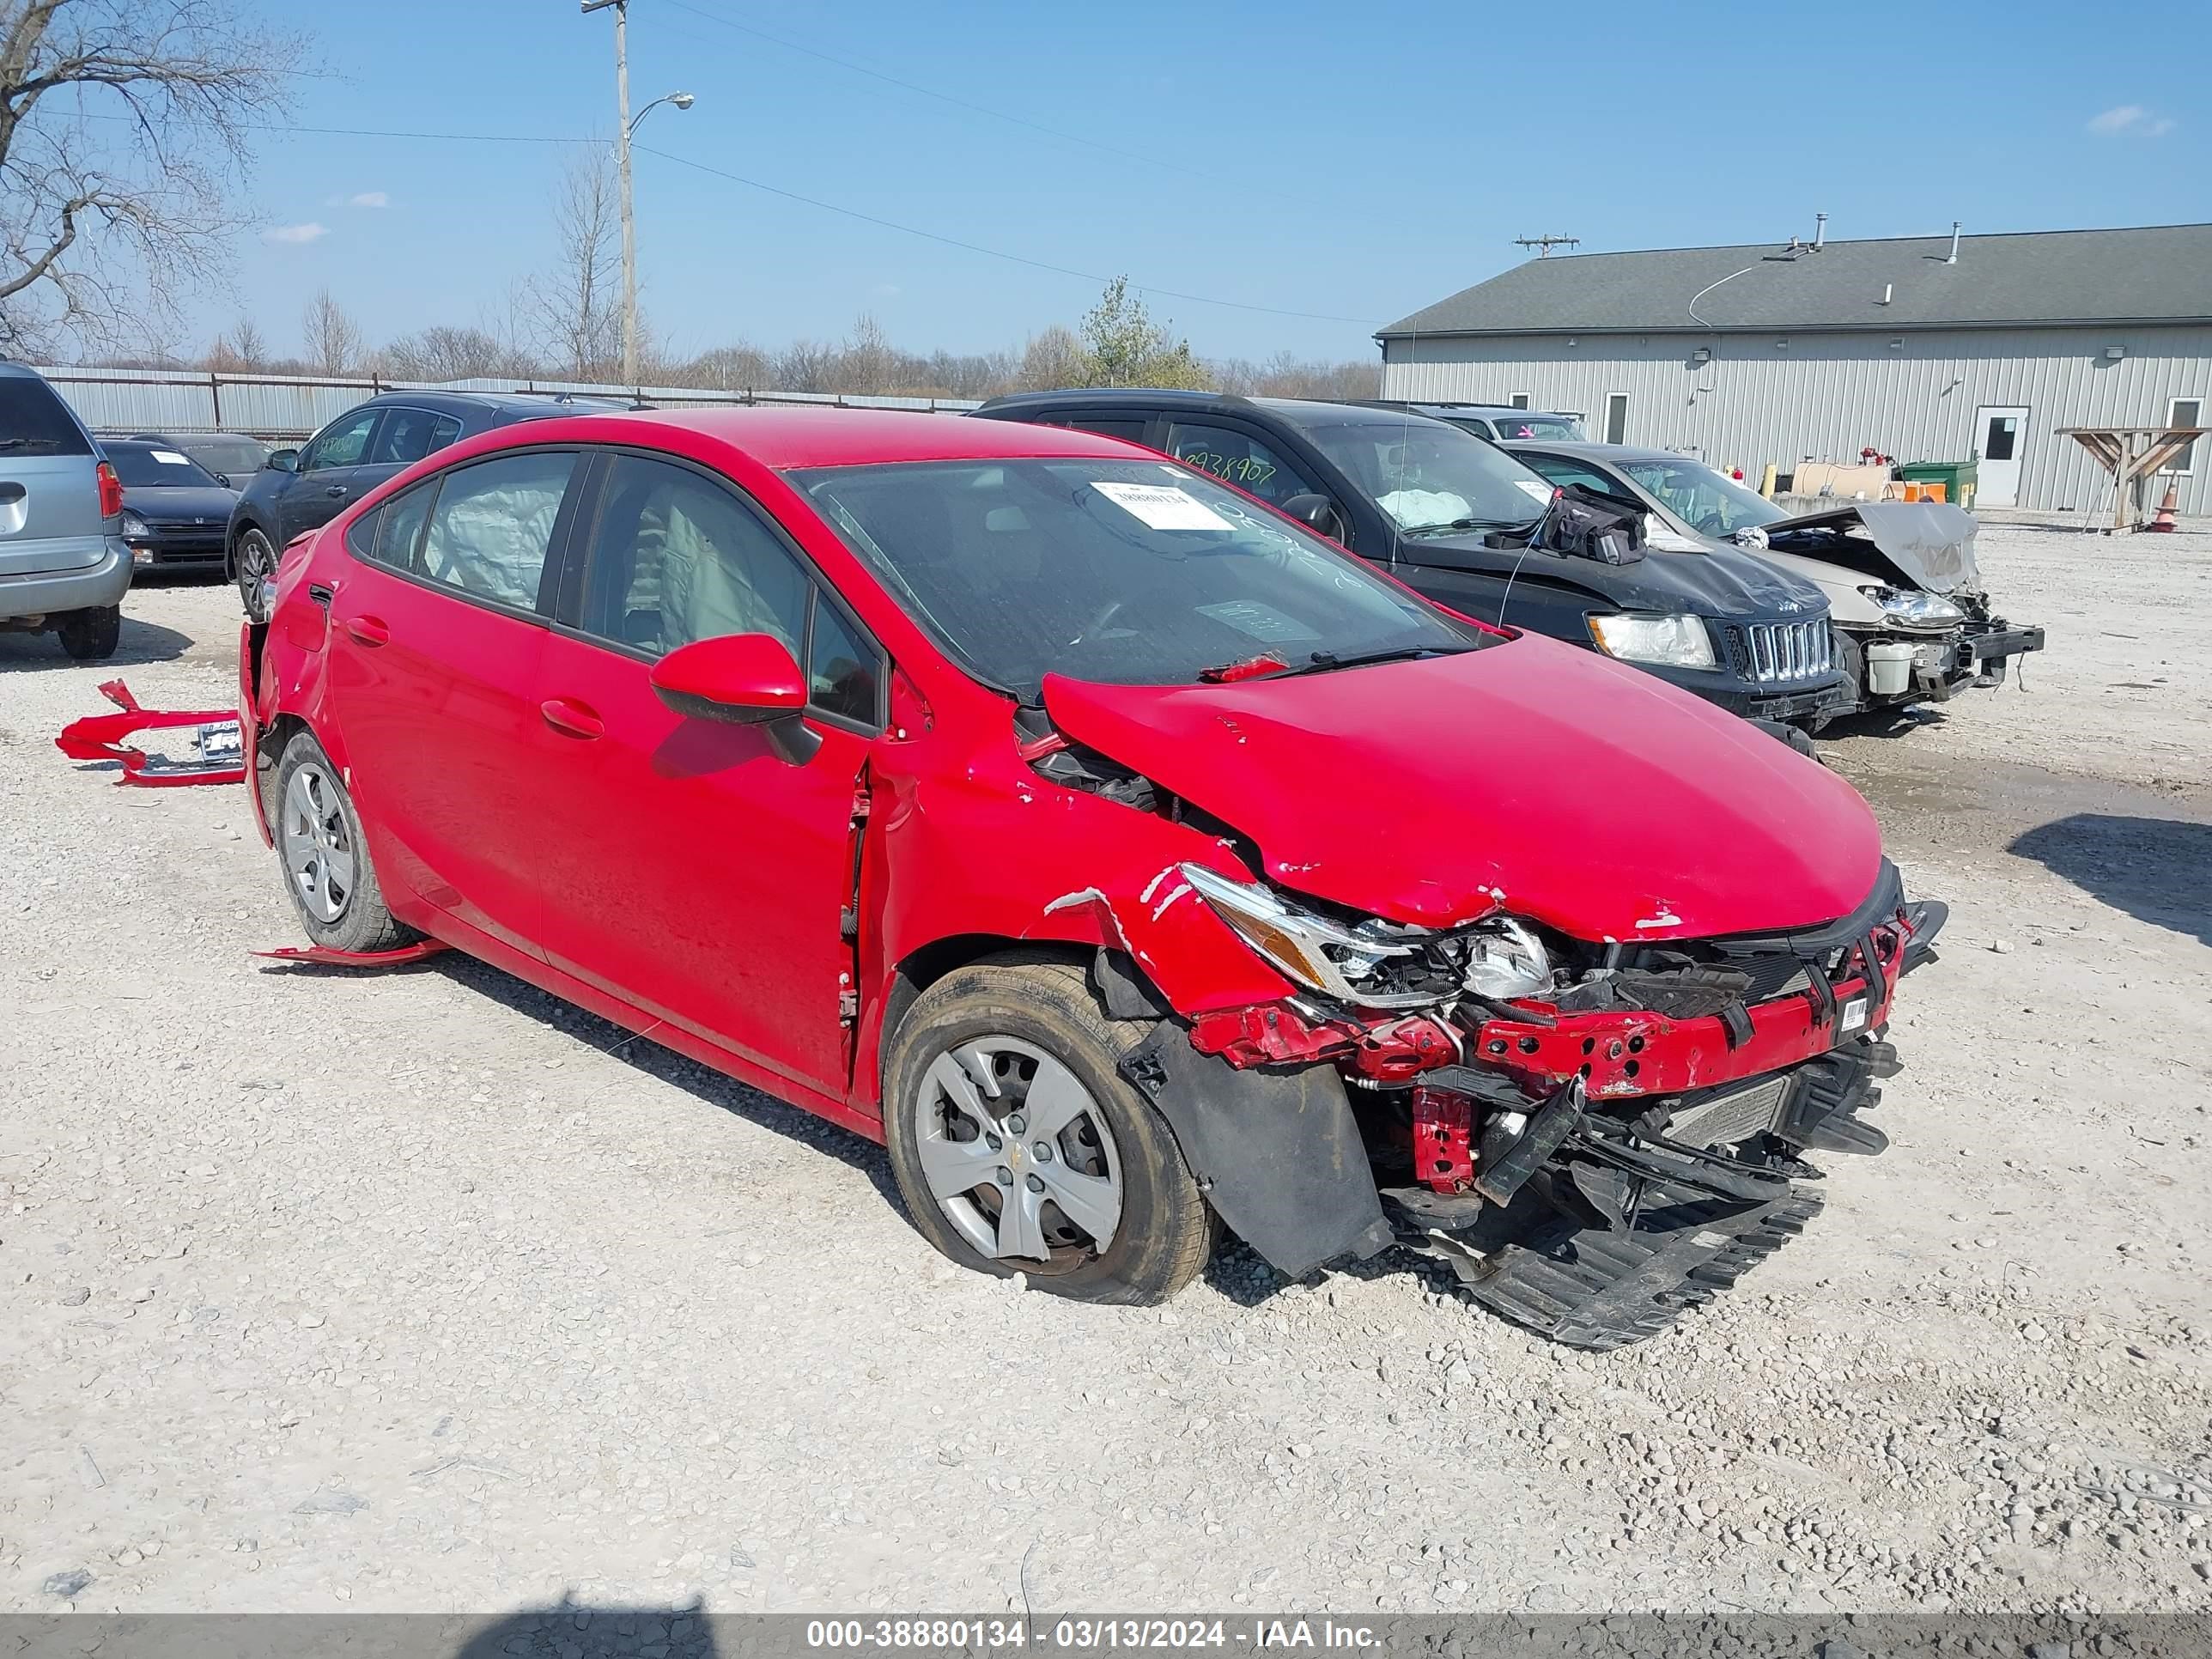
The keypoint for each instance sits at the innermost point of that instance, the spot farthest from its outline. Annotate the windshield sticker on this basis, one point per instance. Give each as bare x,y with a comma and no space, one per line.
1162,506
1256,621
1248,470
170,457
1541,492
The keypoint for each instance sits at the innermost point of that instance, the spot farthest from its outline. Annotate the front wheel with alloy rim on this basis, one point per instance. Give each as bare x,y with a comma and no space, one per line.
1019,1148
325,862
252,561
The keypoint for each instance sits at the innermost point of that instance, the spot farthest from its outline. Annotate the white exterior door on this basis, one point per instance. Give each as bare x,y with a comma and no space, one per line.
2000,434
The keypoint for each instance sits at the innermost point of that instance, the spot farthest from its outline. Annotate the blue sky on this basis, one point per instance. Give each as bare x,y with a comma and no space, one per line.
1354,161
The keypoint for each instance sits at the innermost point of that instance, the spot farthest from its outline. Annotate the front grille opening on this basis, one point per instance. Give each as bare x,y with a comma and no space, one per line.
1779,653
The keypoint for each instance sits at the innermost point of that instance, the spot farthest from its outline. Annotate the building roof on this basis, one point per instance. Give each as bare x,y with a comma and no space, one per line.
2150,273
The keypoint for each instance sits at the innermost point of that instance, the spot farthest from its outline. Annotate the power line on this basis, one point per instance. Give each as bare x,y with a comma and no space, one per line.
914,87
992,253
807,201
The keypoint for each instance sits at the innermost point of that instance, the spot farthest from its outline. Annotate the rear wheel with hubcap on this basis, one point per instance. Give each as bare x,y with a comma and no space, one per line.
1019,1148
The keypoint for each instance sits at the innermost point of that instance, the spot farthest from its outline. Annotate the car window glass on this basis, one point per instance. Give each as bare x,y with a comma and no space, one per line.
676,558
153,466
1708,501
493,524
1236,457
1431,478
1124,570
340,445
841,666
361,534
33,420
1557,428
1128,427
1560,471
408,434
236,457
400,533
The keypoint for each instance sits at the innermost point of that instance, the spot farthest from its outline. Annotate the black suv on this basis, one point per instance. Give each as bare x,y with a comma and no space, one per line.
1460,521
301,489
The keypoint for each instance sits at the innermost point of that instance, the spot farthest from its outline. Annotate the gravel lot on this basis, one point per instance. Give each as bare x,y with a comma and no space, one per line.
322,1292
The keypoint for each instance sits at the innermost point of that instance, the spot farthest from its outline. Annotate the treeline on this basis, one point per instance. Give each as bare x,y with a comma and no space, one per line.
1115,343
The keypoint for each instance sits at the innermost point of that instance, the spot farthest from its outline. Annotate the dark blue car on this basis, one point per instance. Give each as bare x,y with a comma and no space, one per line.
304,488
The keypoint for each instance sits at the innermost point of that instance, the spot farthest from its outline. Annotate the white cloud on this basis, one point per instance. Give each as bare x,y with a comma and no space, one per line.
2130,120
310,231
369,198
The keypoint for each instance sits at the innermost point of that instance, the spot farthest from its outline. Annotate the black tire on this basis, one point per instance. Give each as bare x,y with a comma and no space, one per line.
92,635
362,923
252,559
1165,1231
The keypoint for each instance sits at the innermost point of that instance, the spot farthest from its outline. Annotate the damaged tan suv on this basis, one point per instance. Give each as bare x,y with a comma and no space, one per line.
1912,621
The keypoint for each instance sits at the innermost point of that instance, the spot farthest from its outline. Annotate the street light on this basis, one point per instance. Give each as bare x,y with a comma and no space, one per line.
625,126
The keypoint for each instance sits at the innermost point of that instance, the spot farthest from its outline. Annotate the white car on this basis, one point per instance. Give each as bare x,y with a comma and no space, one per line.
1912,621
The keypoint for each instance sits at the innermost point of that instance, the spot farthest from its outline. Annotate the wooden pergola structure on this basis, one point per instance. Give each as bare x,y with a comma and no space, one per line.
2131,454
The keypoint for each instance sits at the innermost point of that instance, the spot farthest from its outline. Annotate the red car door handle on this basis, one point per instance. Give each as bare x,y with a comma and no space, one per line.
578,721
367,629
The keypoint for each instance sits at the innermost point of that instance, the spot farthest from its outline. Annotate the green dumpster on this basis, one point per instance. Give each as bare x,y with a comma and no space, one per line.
1957,478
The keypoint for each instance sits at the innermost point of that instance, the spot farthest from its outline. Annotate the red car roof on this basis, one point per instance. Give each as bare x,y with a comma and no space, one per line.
787,437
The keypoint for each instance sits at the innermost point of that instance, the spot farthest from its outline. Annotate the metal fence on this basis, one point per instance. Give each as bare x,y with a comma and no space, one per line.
289,408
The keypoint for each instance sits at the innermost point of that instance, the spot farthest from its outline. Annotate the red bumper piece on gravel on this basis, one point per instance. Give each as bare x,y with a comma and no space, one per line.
323,957
100,737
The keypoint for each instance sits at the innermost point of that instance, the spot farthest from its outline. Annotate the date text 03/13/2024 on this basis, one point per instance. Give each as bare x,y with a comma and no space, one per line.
1080,1635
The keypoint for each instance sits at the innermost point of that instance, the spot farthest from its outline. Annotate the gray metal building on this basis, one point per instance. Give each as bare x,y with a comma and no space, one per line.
1921,348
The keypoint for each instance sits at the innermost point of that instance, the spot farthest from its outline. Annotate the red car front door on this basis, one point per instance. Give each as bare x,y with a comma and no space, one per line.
686,867
435,641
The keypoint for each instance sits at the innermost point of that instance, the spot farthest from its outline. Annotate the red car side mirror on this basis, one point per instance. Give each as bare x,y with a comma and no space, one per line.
742,679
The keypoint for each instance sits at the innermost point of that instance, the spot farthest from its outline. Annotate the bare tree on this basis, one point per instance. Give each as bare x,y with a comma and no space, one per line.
121,123
867,362
239,351
450,354
333,338
1052,359
579,305
741,367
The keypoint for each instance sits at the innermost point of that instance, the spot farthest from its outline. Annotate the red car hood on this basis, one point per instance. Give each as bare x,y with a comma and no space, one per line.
1547,781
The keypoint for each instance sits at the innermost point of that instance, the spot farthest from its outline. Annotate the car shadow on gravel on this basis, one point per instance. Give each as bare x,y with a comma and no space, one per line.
572,1630
642,1054
142,642
2154,869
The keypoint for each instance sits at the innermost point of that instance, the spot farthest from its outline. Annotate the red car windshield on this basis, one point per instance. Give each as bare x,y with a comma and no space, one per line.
1128,572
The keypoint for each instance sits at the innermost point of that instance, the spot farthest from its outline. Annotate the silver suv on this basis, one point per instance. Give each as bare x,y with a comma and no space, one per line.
63,565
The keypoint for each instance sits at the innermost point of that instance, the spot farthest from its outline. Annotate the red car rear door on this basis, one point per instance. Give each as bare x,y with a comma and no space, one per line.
435,641
686,867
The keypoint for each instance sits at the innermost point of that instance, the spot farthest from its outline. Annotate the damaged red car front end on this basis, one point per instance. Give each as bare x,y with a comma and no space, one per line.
1119,853
1596,977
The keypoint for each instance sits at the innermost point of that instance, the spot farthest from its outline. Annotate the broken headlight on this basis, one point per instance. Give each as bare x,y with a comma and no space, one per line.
1676,642
1913,607
1375,964
1506,959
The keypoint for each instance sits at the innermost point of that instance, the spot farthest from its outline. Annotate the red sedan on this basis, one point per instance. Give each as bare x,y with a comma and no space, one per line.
1129,860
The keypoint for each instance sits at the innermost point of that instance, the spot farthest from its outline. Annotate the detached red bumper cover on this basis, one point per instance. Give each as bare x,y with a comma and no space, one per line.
216,736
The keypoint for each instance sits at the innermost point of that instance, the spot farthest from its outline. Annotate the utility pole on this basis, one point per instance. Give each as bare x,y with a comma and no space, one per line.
1543,245
624,127
622,167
